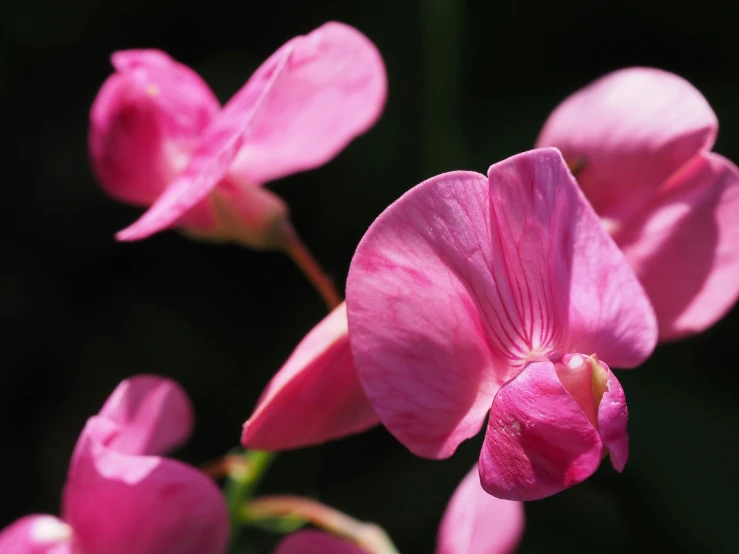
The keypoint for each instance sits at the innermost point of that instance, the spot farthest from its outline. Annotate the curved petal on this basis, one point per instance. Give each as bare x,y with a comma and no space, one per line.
477,523
417,335
684,246
569,285
334,90
145,122
152,415
629,131
313,542
37,534
460,283
219,145
119,503
538,441
612,419
316,395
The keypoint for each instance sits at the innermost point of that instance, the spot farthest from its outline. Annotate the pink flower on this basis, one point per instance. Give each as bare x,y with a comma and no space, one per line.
121,497
473,523
315,396
639,141
471,292
158,137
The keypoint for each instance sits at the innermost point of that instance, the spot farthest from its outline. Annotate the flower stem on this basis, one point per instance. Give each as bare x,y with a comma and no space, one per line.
243,480
367,536
299,253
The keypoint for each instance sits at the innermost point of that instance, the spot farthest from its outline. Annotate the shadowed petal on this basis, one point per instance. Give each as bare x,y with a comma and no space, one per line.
145,123
538,440
629,131
316,395
37,534
477,523
315,542
684,246
153,415
119,504
334,89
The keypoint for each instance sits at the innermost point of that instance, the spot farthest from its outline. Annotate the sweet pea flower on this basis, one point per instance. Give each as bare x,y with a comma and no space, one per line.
639,141
473,523
316,395
121,496
471,295
158,137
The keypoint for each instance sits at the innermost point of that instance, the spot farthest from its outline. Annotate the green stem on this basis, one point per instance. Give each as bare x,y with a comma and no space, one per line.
242,483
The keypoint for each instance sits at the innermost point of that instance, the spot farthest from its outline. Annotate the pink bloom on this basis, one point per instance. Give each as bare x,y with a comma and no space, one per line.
639,141
121,497
316,395
473,523
159,138
471,292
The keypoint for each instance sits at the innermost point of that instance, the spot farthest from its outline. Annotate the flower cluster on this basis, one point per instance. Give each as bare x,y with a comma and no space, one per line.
497,300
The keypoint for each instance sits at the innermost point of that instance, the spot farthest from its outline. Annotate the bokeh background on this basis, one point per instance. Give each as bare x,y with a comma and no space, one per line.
470,82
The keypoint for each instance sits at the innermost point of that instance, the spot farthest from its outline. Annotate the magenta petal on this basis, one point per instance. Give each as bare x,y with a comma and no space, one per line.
123,504
152,415
478,523
315,542
612,419
630,130
37,534
416,330
333,89
684,246
538,441
145,122
316,395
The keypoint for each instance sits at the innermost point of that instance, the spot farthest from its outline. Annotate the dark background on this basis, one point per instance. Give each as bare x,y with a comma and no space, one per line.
470,83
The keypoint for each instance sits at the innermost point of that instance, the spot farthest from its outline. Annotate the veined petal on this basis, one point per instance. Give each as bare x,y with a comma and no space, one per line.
684,246
145,122
629,131
417,334
333,89
37,534
315,542
460,283
477,523
315,397
152,415
121,504
538,442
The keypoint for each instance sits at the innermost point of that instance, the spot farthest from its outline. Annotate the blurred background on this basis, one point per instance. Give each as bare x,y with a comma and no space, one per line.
471,82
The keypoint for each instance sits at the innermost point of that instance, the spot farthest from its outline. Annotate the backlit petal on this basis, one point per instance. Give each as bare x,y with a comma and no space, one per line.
37,534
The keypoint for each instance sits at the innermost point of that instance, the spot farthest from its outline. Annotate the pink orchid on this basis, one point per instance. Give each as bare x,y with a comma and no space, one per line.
471,292
473,523
639,140
316,395
121,497
159,138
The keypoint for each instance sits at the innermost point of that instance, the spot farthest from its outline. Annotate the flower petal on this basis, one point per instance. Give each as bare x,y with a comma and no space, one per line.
334,90
152,415
219,145
538,440
145,122
119,504
37,534
612,419
630,130
316,395
461,282
684,246
477,523
313,542
417,335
